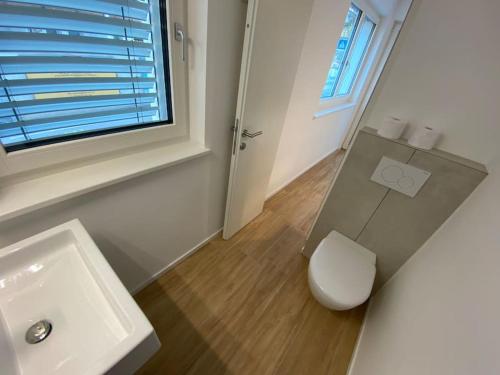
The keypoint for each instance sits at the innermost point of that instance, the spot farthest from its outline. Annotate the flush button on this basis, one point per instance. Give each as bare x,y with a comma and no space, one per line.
399,176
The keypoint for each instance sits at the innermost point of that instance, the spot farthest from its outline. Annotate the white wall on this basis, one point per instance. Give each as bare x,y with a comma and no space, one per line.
144,224
440,313
304,140
444,73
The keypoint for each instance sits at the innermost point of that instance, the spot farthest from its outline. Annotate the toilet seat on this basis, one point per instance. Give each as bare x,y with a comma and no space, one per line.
341,272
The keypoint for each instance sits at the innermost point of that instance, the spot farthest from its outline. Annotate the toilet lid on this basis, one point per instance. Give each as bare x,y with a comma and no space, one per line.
343,269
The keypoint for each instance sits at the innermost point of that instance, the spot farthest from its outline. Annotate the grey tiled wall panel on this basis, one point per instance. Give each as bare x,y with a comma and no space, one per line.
389,223
354,197
402,224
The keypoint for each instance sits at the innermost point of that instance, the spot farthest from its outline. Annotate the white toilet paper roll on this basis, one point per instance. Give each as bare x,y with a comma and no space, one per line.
425,137
392,128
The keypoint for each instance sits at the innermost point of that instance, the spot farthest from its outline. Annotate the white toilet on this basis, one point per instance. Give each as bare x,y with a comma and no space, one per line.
341,272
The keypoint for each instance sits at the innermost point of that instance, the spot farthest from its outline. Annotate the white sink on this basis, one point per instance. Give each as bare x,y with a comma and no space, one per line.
61,276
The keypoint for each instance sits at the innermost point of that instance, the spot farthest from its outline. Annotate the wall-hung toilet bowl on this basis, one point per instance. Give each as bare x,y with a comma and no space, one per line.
341,272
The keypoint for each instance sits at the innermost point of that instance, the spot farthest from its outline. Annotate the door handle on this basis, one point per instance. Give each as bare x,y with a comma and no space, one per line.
181,37
246,133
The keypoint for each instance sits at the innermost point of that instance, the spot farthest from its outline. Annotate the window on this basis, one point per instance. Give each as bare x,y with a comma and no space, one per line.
351,49
71,69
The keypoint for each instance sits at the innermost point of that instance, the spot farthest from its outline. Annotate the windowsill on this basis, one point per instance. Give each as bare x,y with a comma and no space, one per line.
329,111
27,196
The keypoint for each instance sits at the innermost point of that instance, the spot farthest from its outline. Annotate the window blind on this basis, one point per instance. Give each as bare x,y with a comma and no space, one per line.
78,68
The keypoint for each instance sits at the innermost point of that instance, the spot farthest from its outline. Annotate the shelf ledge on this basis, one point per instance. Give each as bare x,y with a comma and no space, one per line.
26,196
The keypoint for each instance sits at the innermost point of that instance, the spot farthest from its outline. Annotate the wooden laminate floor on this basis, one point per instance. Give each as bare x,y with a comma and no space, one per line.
243,306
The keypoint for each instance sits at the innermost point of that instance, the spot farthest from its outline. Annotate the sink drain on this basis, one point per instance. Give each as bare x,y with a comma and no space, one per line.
38,332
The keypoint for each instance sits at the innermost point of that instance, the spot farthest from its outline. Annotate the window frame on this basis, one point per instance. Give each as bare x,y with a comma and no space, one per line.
349,56
367,11
350,44
123,140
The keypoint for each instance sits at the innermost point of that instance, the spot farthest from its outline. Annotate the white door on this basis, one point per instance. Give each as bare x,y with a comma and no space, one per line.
275,31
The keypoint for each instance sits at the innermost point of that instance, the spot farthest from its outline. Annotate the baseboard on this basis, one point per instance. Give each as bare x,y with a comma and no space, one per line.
172,264
290,180
358,340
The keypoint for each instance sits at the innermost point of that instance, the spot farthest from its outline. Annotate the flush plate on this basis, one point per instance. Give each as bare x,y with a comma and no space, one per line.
400,176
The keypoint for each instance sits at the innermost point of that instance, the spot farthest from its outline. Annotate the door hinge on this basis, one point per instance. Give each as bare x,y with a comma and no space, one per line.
234,128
